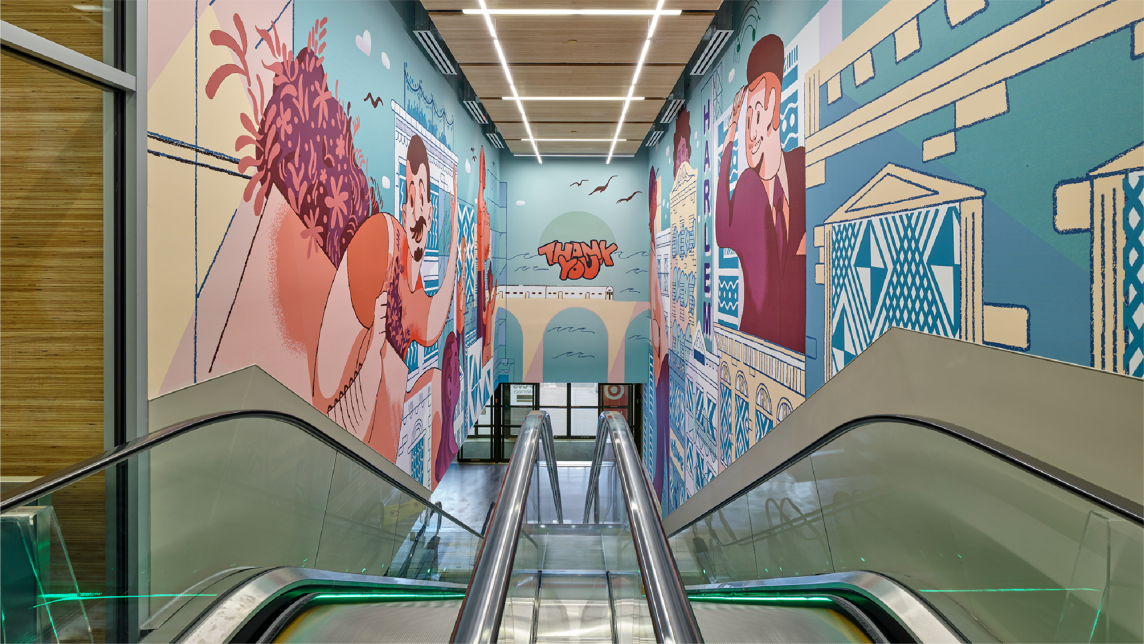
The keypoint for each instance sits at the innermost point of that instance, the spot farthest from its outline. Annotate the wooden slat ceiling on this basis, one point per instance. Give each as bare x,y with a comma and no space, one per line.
580,130
571,80
568,147
569,56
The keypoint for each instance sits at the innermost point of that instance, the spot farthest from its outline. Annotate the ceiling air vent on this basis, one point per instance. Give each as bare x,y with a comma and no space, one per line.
720,32
474,105
423,29
655,136
493,136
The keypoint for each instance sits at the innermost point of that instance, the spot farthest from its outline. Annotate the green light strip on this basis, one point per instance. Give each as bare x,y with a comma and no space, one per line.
1006,590
392,596
755,599
79,596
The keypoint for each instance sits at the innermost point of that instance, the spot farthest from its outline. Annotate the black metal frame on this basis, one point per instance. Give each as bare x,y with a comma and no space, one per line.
500,427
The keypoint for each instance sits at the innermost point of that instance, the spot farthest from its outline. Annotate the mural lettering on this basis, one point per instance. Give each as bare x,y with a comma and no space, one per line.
579,260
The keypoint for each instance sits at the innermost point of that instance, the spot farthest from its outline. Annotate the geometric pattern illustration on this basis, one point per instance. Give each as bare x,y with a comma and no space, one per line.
725,426
1133,275
742,426
901,269
763,425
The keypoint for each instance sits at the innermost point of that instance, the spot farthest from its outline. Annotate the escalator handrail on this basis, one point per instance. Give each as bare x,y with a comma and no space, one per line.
62,478
480,616
1093,493
671,614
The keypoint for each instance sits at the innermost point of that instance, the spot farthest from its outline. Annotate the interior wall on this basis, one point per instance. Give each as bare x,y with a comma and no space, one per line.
576,285
996,202
280,235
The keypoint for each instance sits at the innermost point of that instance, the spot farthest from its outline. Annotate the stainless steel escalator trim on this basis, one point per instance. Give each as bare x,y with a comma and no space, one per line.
68,475
916,616
223,620
671,614
1097,495
481,611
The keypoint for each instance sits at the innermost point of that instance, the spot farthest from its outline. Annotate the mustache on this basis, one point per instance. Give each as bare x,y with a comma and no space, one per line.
418,229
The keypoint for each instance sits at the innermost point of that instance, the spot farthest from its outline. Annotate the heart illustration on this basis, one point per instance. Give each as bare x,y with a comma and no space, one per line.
363,42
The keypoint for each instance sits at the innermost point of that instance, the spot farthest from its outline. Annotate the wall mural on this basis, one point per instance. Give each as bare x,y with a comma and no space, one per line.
905,165
370,293
576,299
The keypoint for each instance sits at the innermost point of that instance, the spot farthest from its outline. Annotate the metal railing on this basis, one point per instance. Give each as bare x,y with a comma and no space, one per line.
480,615
671,614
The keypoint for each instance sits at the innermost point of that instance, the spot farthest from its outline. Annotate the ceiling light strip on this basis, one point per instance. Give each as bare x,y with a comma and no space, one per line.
629,97
508,77
635,77
572,12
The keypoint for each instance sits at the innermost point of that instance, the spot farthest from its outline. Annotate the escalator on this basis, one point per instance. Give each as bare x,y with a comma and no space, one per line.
256,526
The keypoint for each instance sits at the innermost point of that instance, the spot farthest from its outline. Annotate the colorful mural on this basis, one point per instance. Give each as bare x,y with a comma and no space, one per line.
575,304
370,294
933,181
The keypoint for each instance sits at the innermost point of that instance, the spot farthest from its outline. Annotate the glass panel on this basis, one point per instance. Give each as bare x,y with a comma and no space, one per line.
553,393
224,501
585,421
486,417
84,26
615,395
516,416
1001,553
788,534
477,449
250,493
51,293
559,418
574,608
356,536
722,542
585,394
521,395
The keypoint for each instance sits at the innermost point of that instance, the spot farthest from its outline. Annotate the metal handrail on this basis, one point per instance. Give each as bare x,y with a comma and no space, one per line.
62,478
671,614
481,611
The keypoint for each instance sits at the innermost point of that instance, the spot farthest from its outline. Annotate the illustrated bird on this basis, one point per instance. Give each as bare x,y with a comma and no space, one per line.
603,187
577,183
630,198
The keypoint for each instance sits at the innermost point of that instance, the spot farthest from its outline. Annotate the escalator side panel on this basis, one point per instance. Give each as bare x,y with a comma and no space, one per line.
732,624
421,621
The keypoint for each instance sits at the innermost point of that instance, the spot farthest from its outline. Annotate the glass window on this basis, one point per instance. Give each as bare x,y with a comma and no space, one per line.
553,393
522,395
584,421
585,394
486,416
559,418
80,25
516,417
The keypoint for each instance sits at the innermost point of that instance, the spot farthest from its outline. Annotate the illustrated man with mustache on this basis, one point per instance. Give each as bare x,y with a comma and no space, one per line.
376,310
764,220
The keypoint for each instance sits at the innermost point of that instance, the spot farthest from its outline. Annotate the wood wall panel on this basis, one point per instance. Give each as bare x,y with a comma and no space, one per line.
51,294
572,80
599,39
60,22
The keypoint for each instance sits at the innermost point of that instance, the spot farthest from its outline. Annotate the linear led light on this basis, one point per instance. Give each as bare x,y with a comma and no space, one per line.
572,98
572,140
635,77
572,12
508,77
